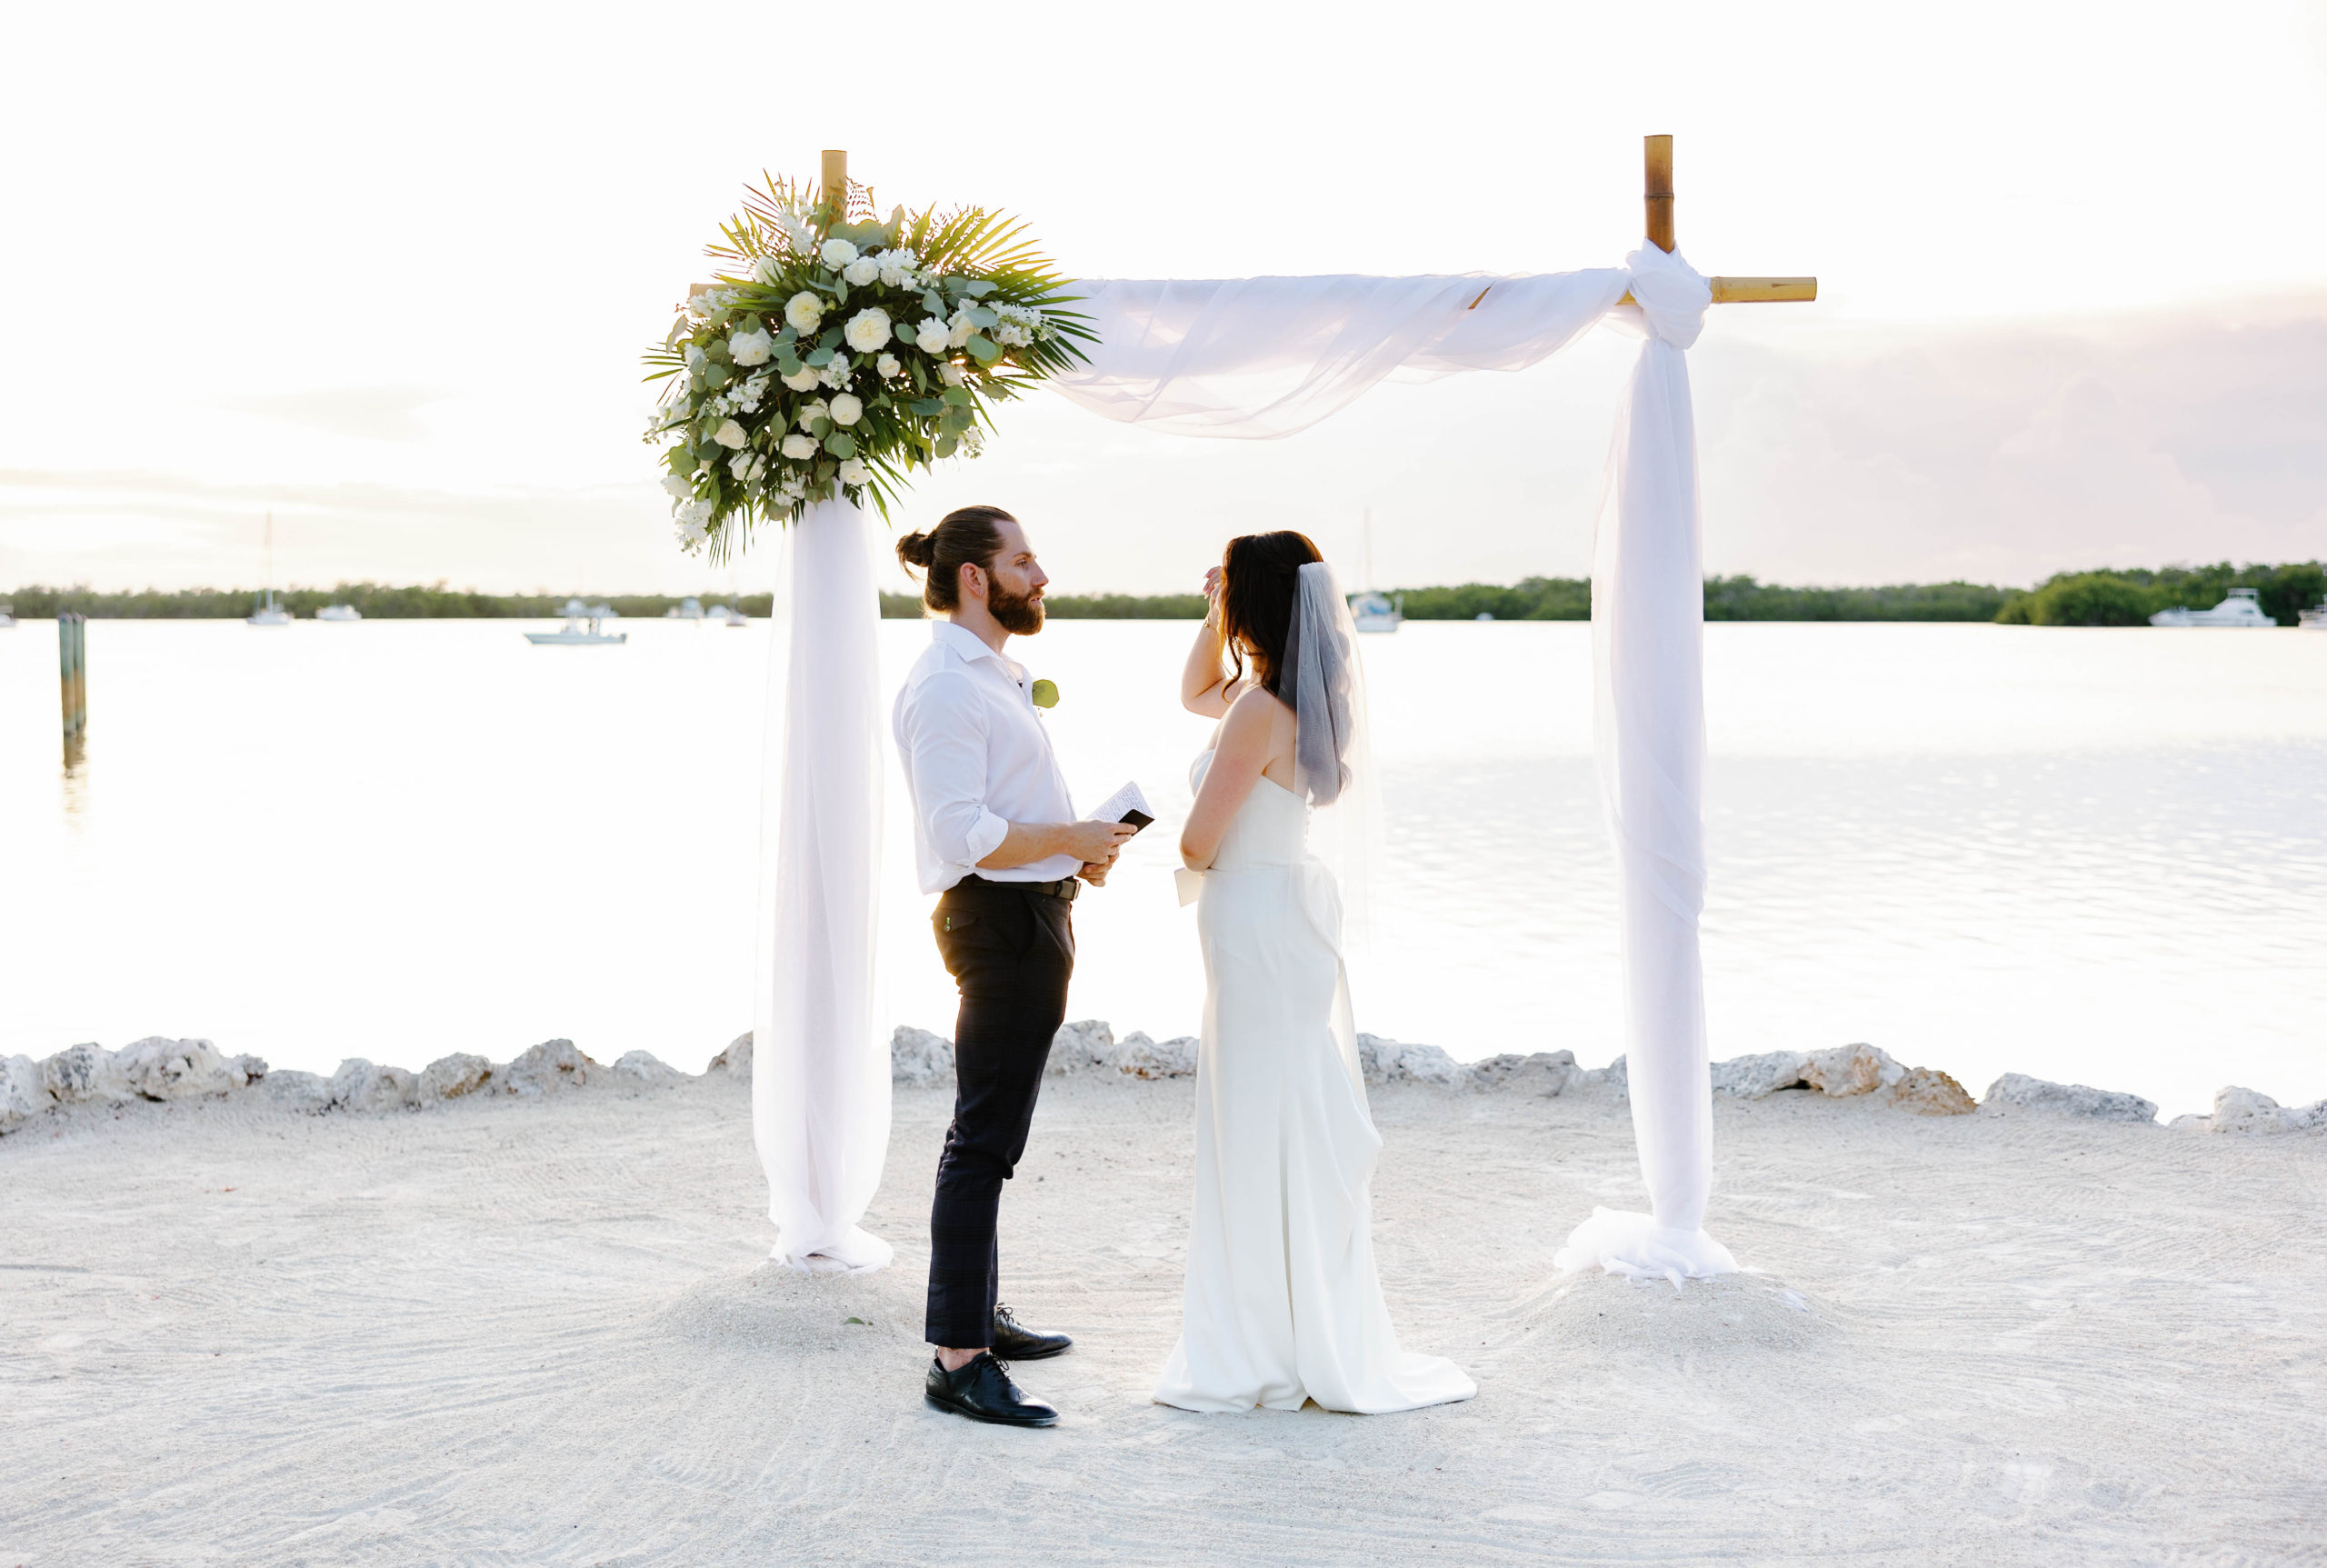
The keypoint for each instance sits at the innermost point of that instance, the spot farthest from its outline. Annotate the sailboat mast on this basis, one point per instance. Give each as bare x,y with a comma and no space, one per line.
1369,550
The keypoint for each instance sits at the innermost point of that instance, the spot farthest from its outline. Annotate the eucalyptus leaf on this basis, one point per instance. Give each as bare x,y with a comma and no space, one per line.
818,358
839,444
716,377
933,302
959,396
928,407
787,365
982,348
820,427
983,317
978,287
831,337
947,445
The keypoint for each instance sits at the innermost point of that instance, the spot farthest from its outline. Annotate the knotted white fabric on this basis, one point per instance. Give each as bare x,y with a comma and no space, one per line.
1266,357
820,1079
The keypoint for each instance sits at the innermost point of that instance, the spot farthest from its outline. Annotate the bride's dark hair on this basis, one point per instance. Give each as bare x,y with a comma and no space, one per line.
1260,578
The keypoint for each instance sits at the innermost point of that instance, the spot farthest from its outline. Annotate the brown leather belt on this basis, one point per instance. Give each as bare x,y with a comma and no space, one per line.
1065,887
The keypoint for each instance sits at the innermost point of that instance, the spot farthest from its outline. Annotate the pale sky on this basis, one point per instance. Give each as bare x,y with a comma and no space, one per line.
388,272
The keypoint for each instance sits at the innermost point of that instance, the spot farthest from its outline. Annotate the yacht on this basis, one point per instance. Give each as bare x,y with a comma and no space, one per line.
8,616
583,628
1375,611
2242,608
269,612
2311,619
339,613
684,610
724,615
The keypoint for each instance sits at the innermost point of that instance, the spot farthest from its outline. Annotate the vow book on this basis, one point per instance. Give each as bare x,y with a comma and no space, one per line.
1127,804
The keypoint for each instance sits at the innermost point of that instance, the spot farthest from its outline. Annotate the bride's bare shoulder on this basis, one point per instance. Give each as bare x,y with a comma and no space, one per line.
1256,707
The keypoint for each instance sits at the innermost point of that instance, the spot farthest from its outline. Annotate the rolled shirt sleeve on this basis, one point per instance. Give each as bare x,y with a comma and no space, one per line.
946,754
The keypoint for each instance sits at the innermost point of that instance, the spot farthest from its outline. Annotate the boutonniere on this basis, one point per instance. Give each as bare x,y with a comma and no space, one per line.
1044,694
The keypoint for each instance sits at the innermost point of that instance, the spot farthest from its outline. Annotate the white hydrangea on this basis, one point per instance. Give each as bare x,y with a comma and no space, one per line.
836,373
974,441
795,486
679,485
695,357
854,471
933,335
795,233
847,409
889,366
867,330
730,434
753,347
804,312
837,253
803,378
1010,335
800,448
692,534
747,466
896,268
860,270
748,395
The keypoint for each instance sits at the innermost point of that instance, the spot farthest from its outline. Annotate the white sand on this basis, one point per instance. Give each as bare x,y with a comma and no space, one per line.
540,1332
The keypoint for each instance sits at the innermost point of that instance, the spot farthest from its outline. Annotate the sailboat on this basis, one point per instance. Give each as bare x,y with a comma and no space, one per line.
269,611
1371,611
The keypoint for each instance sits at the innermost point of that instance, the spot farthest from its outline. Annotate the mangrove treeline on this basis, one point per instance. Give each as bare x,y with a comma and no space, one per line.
2105,598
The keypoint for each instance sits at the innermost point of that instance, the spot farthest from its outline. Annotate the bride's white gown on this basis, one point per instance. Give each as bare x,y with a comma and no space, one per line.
1282,1303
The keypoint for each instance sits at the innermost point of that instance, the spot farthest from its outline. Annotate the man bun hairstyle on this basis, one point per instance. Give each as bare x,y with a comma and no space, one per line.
967,536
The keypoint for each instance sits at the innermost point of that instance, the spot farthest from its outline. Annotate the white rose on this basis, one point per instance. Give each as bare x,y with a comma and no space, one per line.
953,374
933,335
812,412
751,347
847,409
768,269
802,379
800,448
730,434
860,270
679,485
888,364
962,327
868,330
805,311
695,357
837,253
854,471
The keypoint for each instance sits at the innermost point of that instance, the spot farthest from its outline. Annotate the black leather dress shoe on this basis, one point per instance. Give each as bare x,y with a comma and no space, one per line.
983,1391
1013,1342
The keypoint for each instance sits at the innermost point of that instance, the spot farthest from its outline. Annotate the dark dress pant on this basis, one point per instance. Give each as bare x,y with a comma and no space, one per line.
1010,950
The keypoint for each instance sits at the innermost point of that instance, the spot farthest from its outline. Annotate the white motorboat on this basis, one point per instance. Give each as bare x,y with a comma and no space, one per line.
724,615
8,616
1377,612
339,613
684,610
269,612
583,628
2242,608
2313,619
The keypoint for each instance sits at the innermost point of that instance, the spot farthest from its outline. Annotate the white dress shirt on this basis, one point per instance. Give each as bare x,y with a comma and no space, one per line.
977,759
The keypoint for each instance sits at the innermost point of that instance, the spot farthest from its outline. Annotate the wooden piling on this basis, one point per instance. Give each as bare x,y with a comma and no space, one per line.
1658,194
73,671
832,189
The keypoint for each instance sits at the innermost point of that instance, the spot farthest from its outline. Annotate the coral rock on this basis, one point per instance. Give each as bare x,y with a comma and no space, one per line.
2240,1110
1928,1092
85,1073
1141,1057
358,1085
1543,1073
551,1065
297,1091
2068,1099
1848,1070
23,1095
645,1068
1758,1077
252,1068
1080,1046
1386,1061
736,1060
918,1057
162,1069
450,1077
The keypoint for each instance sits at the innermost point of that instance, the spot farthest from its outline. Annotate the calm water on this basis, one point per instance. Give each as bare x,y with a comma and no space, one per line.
2092,856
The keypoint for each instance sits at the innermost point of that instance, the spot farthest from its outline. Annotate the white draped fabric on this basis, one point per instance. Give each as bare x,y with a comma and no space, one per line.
820,1075
1267,357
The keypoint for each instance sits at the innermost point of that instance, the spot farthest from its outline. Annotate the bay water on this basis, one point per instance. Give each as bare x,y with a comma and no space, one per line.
2092,856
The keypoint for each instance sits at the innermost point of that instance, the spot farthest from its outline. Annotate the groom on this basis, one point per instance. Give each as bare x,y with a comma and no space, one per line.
994,833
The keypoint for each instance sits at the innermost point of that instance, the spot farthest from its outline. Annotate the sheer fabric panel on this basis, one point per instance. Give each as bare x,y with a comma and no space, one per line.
820,1075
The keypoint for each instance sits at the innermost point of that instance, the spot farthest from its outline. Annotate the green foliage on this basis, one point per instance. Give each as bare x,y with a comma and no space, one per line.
1533,599
2129,598
1743,599
377,601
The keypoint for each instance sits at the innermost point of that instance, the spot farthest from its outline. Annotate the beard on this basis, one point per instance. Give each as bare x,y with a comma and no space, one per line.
1020,614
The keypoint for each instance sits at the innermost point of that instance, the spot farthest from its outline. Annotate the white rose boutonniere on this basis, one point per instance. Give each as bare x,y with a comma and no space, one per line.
804,312
868,330
847,409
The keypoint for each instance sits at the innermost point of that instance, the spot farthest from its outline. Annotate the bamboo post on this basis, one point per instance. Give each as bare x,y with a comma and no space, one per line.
833,190
1658,194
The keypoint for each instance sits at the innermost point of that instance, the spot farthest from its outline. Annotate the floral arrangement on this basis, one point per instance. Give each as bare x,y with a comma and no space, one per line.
840,352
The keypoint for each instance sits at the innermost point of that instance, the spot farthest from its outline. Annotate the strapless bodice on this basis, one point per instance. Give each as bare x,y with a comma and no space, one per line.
1271,827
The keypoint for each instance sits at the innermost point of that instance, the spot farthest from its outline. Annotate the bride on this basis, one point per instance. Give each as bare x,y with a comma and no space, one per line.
1281,1303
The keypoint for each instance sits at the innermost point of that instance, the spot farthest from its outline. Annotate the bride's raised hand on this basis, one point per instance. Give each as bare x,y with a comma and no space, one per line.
1212,598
